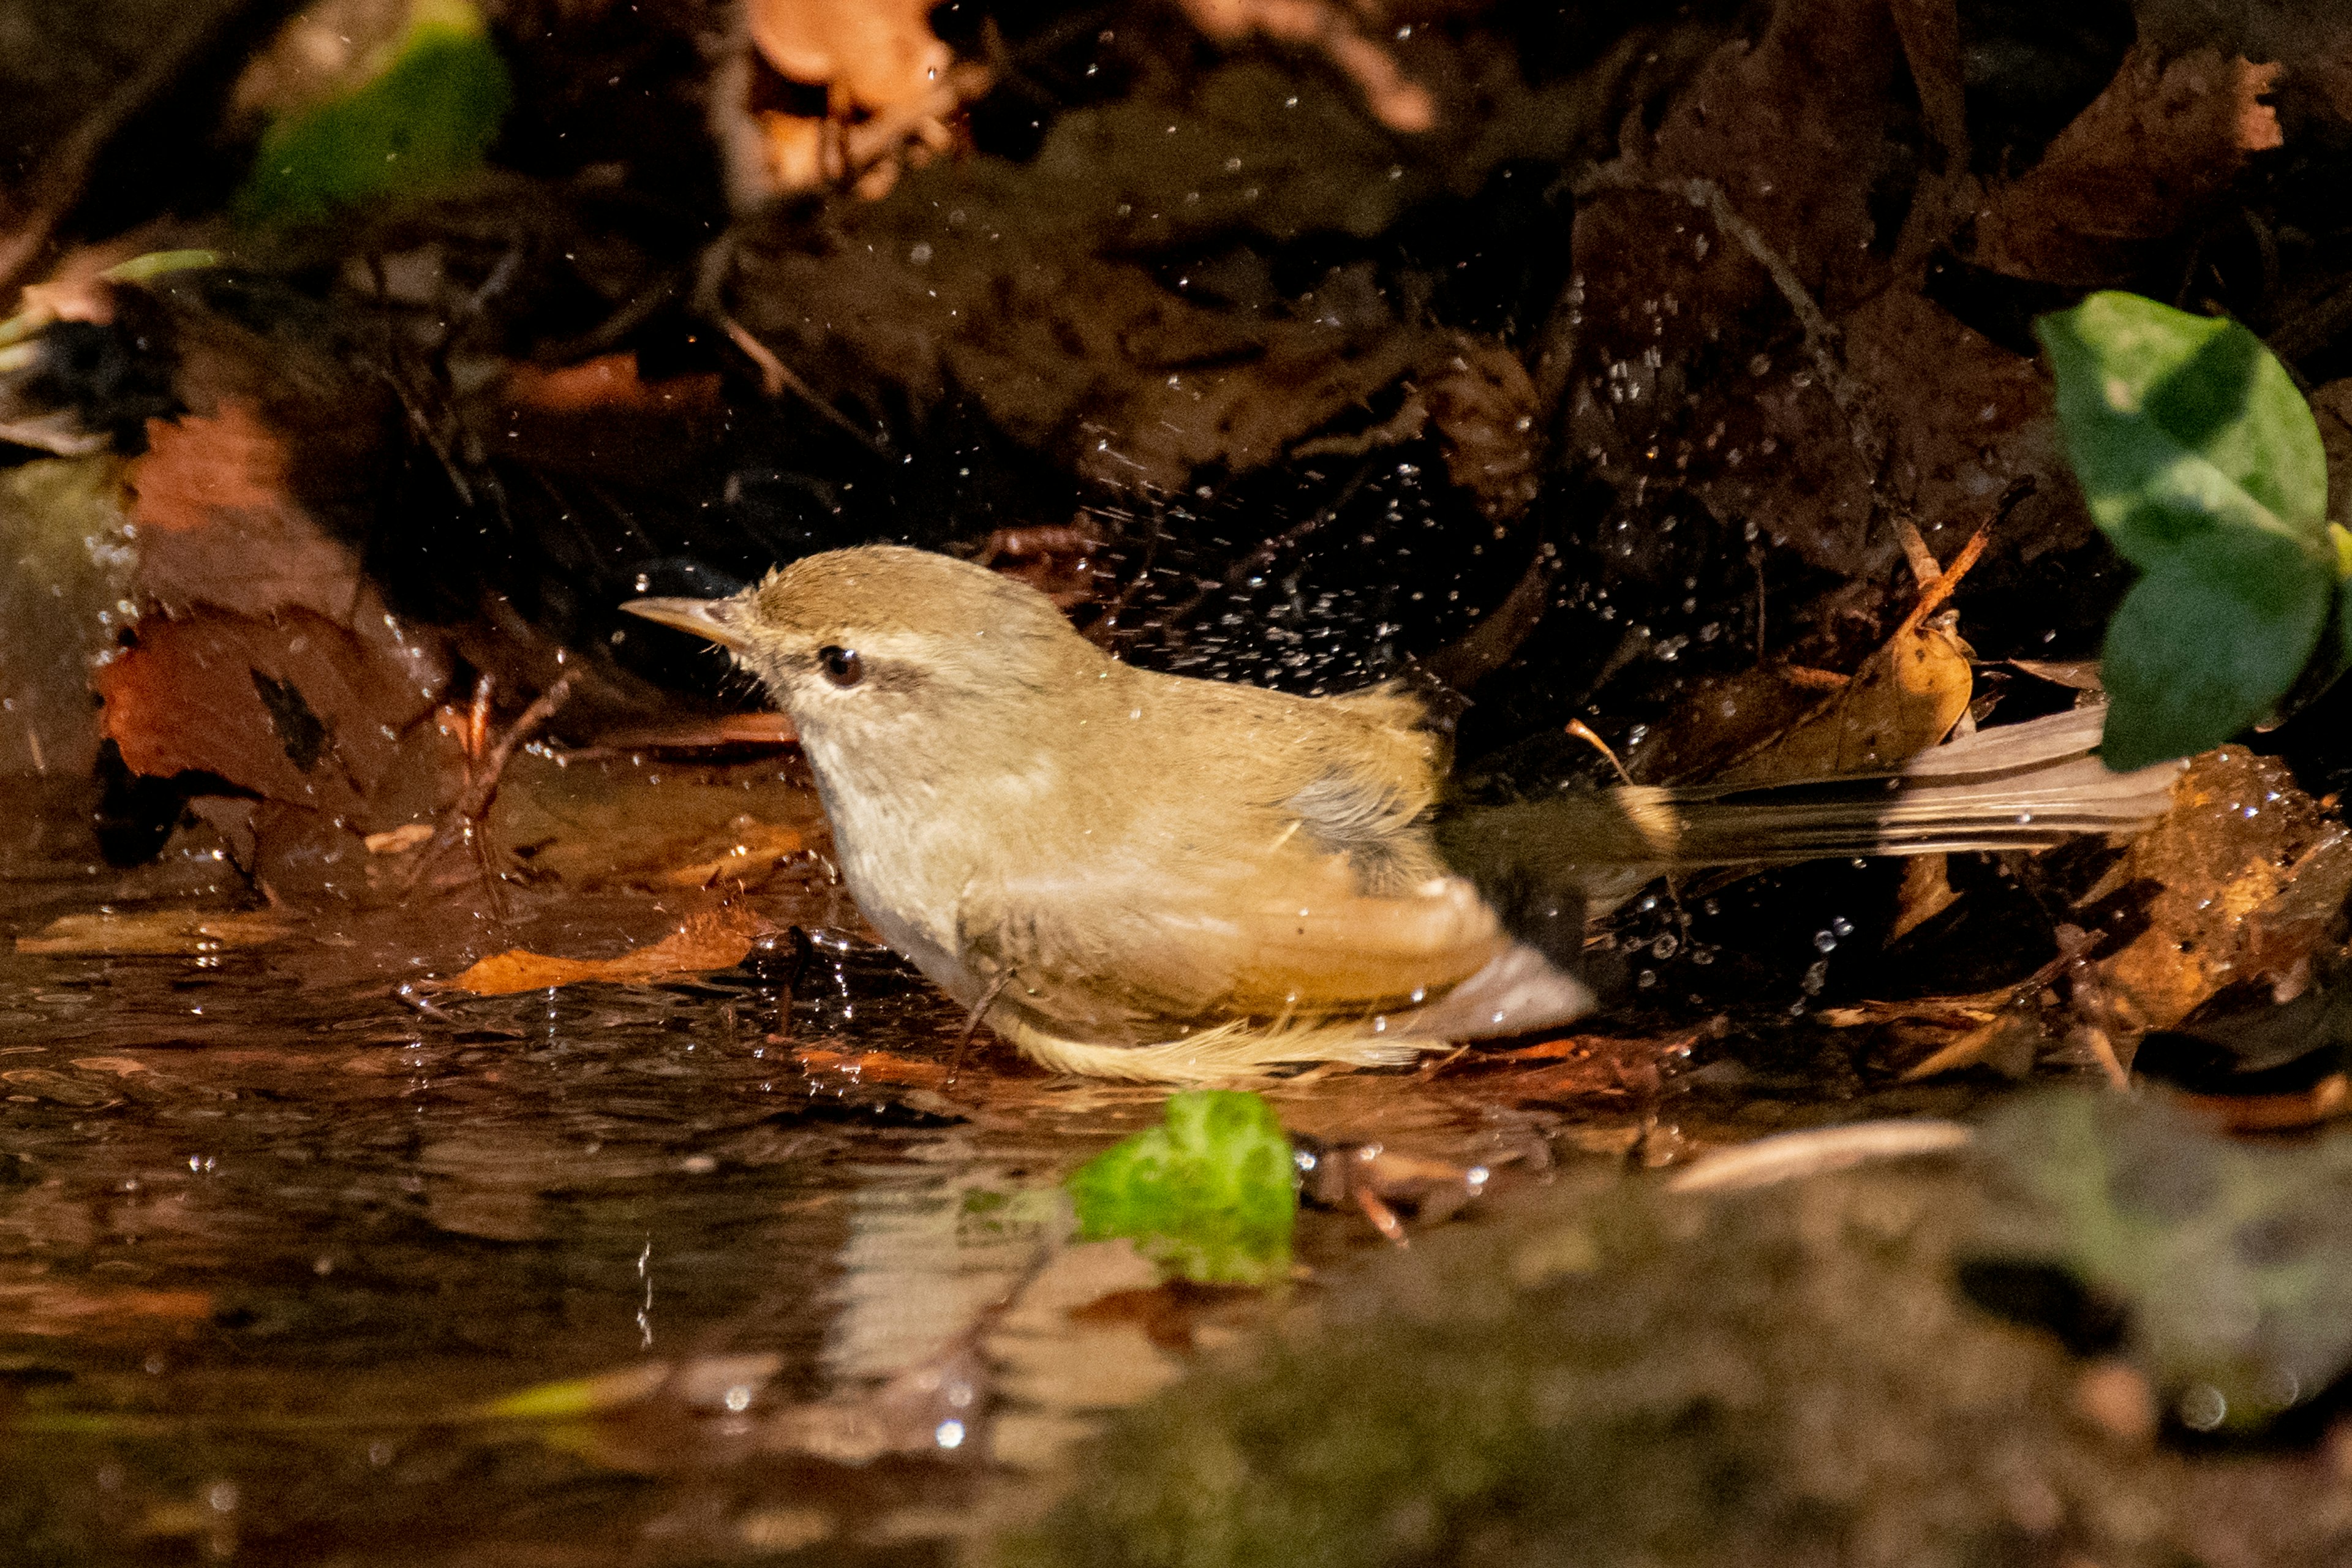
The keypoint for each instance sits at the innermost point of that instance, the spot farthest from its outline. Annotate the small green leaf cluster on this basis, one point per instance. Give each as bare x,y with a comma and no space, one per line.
421,124
2202,464
1208,1195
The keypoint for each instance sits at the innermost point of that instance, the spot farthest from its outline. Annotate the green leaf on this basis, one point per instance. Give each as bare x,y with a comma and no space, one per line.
420,125
2202,463
2205,644
2178,425
1208,1195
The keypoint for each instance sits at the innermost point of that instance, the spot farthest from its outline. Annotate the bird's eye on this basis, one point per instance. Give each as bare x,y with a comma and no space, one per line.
841,665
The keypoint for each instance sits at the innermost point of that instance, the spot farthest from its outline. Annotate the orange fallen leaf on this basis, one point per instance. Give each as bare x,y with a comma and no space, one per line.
878,52
716,941
53,1309
873,1066
1395,100
760,849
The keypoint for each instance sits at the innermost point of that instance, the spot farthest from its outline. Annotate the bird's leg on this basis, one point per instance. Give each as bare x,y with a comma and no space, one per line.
485,765
972,1025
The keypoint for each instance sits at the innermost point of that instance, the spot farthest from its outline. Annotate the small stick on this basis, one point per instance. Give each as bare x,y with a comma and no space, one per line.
1934,591
776,378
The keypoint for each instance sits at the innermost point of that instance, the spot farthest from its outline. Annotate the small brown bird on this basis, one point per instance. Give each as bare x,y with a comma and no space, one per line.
1147,875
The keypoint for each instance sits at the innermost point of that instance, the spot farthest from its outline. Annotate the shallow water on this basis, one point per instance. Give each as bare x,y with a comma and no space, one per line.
271,1234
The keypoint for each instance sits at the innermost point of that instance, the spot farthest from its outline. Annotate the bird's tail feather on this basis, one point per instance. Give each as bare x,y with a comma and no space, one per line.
2023,786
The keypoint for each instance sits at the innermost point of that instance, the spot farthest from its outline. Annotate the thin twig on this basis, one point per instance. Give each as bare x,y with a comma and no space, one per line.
776,378
1934,592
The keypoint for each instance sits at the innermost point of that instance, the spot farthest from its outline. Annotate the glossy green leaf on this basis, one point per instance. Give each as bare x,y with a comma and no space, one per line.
2202,463
2205,644
2179,423
420,125
1210,1194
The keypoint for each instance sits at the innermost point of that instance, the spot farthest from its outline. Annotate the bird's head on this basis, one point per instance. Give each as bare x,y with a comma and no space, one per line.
882,648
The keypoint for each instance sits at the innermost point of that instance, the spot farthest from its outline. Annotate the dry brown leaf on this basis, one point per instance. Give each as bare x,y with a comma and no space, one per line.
1693,367
873,1066
219,524
155,931
1926,892
2225,856
55,1308
2164,140
1483,406
294,708
1905,699
716,940
600,419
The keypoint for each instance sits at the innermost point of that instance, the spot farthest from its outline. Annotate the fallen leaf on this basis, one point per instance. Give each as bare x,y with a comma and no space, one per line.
1395,100
760,847
291,707
709,1382
399,840
2167,138
2325,1100
155,931
1208,1194
873,1066
600,419
1905,699
2238,828
879,52
1926,892
51,1308
1485,408
716,940
1792,1157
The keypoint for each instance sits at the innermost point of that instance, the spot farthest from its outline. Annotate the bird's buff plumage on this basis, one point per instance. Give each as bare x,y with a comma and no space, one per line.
1144,876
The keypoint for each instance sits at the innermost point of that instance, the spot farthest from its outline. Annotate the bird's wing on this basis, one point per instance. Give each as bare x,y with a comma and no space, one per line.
1134,959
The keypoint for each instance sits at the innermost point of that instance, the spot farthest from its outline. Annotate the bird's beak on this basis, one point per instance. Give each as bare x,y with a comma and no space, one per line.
712,618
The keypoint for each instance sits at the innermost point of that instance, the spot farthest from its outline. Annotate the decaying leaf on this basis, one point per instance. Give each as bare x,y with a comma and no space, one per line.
2165,139
716,941
293,706
1905,699
759,850
157,931
1777,723
2228,852
1485,408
